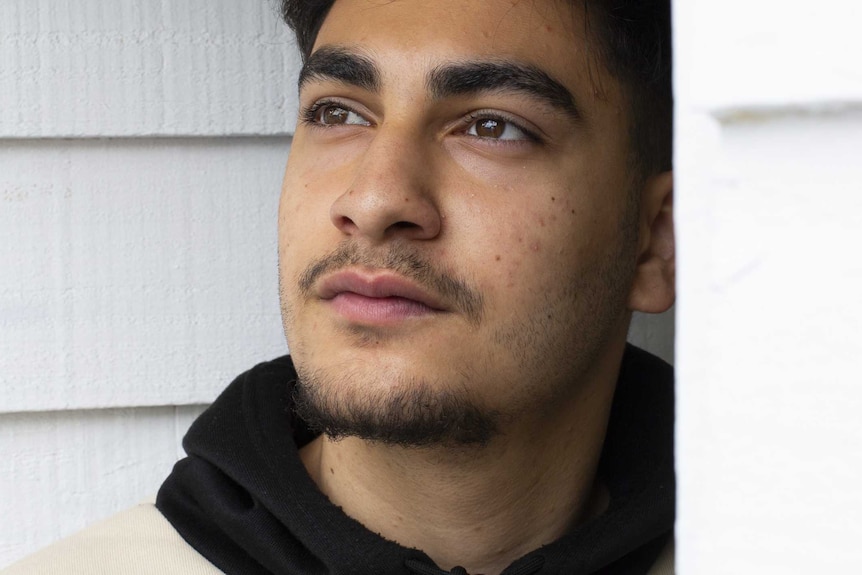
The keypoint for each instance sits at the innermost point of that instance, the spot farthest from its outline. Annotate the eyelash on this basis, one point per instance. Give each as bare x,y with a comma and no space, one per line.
308,117
308,113
473,117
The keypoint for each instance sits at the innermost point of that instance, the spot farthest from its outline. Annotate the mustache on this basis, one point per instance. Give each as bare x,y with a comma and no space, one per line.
406,262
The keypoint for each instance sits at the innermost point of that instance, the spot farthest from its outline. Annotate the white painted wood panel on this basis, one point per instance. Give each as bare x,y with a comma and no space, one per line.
94,68
62,471
769,220
769,433
743,55
136,272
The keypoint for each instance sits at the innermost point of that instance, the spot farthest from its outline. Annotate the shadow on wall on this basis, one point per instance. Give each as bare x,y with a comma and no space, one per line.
654,333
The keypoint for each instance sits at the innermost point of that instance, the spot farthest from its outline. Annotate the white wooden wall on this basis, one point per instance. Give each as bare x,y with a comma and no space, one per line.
769,214
142,144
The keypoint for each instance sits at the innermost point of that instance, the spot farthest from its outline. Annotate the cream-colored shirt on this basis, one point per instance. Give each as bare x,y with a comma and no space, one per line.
140,541
134,542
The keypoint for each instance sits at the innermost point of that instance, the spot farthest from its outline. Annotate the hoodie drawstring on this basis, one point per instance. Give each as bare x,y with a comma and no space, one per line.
529,567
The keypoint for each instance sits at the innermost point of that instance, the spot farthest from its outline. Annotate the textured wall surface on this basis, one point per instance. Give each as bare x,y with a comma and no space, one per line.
769,212
141,150
61,470
142,271
197,67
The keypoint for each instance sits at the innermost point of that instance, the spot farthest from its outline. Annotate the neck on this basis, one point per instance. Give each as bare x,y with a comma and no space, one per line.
480,508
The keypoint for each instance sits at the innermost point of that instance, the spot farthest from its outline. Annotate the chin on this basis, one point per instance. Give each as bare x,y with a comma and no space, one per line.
389,406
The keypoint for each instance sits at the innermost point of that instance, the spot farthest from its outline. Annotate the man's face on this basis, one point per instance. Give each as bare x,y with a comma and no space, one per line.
456,226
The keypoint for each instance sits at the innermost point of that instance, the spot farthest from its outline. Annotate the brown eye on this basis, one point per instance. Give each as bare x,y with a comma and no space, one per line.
331,115
490,128
334,115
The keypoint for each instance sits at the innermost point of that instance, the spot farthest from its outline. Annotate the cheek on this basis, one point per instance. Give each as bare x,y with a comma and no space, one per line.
312,182
524,255
304,211
297,234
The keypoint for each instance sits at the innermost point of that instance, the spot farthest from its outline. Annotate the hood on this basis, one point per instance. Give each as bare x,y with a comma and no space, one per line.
243,499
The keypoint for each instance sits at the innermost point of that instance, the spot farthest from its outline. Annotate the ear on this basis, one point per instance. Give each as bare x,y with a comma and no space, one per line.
654,286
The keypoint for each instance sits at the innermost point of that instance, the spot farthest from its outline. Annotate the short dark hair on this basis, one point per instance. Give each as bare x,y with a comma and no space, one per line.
633,38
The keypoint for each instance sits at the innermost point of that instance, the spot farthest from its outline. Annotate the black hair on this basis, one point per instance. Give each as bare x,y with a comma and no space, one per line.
634,41
633,38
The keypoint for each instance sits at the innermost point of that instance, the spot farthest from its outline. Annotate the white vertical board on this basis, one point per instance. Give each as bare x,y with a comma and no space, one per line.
94,68
738,54
62,471
136,272
769,217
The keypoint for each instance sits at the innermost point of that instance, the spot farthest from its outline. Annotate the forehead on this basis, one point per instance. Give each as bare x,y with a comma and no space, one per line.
492,25
417,35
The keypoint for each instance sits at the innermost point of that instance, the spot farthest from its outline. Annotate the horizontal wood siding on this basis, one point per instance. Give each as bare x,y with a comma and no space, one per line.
138,271
91,68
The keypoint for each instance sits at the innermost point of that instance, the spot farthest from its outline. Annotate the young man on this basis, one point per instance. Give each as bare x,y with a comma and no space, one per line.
478,196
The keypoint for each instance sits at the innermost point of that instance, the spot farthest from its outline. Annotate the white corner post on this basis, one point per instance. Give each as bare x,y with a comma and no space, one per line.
769,326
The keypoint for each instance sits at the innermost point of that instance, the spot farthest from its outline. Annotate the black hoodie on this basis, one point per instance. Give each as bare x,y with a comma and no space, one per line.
243,499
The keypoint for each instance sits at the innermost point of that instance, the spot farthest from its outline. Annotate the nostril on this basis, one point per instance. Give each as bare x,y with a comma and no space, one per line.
405,229
344,222
404,225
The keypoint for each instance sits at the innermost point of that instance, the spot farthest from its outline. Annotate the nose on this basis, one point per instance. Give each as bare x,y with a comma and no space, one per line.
391,193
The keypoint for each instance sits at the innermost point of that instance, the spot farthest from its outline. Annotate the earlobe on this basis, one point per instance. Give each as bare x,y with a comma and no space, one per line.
654,286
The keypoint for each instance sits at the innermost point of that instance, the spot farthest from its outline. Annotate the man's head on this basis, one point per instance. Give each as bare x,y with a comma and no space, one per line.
472,207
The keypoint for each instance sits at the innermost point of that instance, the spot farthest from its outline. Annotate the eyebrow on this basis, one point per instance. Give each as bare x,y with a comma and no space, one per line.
340,64
465,78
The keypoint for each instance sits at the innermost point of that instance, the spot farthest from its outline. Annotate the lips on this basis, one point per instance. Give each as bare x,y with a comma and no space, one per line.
377,286
377,297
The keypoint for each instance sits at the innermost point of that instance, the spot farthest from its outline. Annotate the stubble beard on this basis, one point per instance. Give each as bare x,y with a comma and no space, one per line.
405,413
408,411
394,409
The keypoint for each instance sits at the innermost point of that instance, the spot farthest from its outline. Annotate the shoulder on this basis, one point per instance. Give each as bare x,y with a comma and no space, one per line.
137,541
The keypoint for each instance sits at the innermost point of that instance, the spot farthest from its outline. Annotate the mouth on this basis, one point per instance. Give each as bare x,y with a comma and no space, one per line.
377,298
